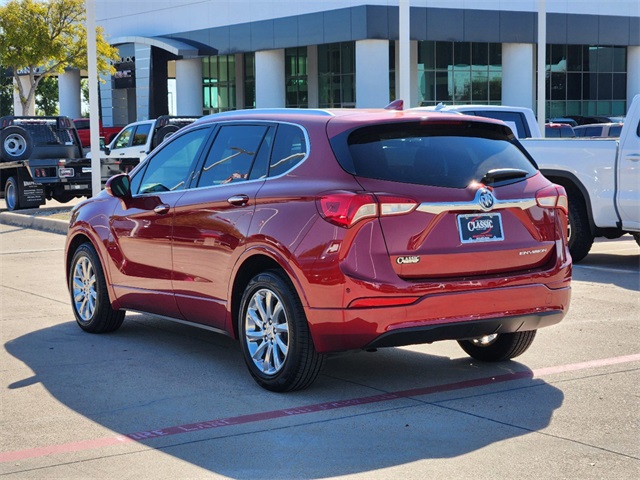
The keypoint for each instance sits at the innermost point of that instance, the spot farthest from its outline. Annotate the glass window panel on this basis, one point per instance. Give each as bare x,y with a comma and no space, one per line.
461,54
558,58
574,108
589,108
556,109
604,108
428,85
427,54
323,58
574,86
347,54
169,169
443,92
495,86
480,55
589,86
605,59
231,154
619,59
618,108
619,86
444,55
574,58
348,89
558,86
480,87
462,85
288,150
605,86
495,54
591,59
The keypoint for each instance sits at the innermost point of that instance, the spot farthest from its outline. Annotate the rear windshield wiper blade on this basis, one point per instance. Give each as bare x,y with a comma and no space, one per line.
497,174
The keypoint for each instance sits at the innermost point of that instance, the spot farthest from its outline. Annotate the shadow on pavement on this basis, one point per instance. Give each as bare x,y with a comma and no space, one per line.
154,374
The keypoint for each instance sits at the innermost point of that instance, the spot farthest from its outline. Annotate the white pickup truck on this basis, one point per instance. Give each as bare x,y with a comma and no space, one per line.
601,175
602,179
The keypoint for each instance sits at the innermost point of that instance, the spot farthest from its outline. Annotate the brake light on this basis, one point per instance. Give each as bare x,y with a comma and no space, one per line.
553,196
345,209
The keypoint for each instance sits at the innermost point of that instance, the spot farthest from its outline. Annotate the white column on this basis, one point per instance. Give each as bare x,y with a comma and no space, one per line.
518,75
372,73
312,76
270,81
143,81
541,62
189,87
403,87
17,106
633,73
70,93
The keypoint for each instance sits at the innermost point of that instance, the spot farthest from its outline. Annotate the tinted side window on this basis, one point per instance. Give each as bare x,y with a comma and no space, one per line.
122,141
511,118
593,131
231,156
615,131
289,149
142,132
169,169
445,156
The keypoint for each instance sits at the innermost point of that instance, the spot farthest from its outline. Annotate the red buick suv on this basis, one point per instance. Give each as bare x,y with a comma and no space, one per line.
307,232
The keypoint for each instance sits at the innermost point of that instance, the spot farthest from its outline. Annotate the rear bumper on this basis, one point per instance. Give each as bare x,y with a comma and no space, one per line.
450,316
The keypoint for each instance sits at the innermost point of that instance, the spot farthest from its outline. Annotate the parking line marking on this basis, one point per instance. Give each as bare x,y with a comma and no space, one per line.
302,410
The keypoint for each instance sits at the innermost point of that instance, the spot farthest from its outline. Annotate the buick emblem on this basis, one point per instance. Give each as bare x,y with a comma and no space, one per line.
486,200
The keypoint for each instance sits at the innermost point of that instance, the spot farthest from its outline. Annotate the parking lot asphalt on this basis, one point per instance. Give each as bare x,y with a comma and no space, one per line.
159,400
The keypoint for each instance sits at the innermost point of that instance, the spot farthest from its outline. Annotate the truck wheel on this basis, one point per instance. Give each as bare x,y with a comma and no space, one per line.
12,194
636,235
88,290
274,335
580,236
15,144
498,347
163,133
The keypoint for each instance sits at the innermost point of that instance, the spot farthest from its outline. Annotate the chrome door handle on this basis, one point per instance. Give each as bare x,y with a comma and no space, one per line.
162,209
238,200
634,157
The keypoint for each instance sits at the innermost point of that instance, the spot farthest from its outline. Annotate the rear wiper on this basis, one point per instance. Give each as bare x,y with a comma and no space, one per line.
497,174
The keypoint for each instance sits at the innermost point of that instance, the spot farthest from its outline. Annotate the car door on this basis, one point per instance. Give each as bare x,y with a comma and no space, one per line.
141,227
628,194
212,220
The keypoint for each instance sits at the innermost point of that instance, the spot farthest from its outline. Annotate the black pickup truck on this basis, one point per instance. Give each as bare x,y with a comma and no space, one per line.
41,158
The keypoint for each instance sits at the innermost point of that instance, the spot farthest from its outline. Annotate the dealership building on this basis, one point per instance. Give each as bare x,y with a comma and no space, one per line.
198,57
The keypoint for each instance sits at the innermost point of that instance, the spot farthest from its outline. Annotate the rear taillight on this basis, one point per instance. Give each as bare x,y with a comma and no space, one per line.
553,196
348,208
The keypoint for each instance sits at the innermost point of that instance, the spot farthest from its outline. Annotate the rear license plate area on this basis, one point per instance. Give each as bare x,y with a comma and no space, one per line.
480,227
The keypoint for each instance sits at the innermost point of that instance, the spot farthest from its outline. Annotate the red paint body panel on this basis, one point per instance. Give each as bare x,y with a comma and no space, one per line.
184,263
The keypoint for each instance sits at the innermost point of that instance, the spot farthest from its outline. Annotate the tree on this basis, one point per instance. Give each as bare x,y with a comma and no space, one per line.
47,97
6,93
39,38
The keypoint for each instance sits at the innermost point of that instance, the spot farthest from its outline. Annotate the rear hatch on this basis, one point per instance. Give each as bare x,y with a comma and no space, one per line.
456,198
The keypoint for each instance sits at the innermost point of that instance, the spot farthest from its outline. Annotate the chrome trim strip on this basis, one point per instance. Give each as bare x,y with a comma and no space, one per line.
437,208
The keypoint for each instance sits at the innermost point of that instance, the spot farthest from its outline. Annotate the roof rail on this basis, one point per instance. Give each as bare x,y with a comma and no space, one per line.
271,111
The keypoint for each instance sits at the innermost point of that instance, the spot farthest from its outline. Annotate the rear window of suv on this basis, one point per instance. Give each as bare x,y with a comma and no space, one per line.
444,155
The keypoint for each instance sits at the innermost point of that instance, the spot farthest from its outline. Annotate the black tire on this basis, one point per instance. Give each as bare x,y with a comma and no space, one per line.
580,236
87,282
163,133
12,194
504,346
636,235
271,300
15,144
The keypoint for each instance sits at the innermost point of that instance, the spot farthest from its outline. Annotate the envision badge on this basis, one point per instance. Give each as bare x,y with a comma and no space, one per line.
533,252
485,198
406,260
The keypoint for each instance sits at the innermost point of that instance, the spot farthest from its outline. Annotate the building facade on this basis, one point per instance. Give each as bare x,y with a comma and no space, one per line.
194,58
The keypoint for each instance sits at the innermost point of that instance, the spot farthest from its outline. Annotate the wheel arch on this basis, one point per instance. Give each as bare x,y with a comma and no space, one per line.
73,242
571,183
254,261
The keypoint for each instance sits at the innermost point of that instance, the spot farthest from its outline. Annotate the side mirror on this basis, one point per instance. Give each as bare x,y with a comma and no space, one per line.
119,186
